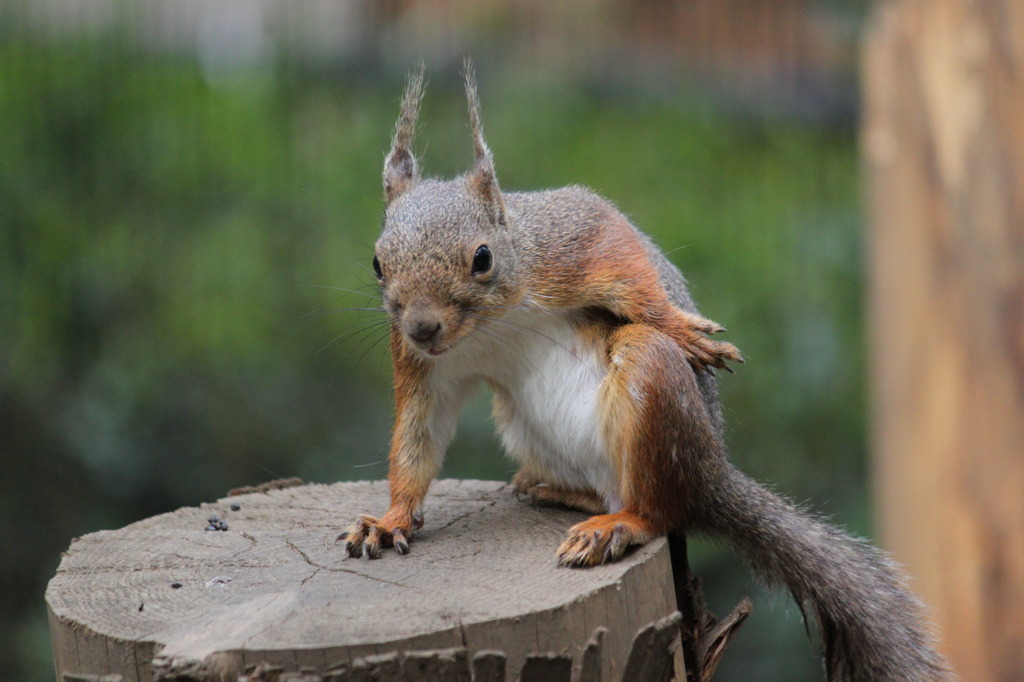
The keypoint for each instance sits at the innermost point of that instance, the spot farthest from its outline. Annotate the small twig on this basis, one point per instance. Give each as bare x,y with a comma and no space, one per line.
689,628
715,641
703,638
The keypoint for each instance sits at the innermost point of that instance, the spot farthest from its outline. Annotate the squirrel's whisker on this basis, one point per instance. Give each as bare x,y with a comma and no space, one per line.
371,347
344,336
358,292
323,313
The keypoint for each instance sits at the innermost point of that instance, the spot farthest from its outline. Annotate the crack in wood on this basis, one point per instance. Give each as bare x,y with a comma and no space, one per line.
339,569
460,517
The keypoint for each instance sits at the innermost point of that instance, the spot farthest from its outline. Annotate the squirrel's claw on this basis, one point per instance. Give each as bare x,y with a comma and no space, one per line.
401,544
373,542
708,354
368,535
354,537
703,324
691,332
353,549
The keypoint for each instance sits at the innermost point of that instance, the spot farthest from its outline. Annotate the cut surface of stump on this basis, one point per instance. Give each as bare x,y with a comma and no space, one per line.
275,589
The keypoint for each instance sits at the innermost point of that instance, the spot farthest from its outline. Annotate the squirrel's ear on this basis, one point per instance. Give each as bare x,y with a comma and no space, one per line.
400,169
482,178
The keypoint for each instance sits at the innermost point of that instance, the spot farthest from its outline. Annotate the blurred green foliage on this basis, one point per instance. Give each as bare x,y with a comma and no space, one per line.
175,248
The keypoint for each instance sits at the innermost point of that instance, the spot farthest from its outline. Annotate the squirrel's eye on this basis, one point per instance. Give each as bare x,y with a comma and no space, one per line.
481,260
376,268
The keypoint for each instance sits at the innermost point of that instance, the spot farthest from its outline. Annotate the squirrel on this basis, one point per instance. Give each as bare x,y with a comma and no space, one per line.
602,373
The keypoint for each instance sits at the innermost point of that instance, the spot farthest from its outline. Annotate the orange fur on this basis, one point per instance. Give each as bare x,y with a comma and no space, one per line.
411,466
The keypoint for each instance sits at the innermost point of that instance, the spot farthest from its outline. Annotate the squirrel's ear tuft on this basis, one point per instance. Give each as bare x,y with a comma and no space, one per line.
482,178
400,169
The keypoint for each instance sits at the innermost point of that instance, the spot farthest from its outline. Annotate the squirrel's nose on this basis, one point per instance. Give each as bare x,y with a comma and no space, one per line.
422,329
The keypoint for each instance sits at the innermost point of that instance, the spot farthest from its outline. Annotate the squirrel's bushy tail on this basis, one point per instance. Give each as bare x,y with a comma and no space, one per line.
872,627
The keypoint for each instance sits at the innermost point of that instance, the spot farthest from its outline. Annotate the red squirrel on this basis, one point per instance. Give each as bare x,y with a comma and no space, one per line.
604,393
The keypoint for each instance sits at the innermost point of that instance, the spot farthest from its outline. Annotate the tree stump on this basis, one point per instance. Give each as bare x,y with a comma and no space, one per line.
273,597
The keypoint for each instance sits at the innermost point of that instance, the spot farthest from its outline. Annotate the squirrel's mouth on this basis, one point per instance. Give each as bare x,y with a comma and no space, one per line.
432,348
441,344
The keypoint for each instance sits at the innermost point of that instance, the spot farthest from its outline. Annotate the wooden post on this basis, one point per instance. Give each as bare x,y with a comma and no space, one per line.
944,159
273,598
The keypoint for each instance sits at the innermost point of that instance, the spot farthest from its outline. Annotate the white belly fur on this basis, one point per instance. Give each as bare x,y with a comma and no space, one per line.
549,377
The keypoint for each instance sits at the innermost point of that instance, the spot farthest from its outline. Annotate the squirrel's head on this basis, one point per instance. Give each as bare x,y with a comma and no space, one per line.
445,260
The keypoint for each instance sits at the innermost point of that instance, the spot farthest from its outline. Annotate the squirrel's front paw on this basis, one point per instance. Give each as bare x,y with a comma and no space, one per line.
702,324
701,351
370,534
710,353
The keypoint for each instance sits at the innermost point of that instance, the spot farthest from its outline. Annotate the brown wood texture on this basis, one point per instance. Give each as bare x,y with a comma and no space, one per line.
943,144
275,589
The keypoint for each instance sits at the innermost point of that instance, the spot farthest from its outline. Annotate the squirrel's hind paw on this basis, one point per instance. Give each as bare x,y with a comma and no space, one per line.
604,538
528,489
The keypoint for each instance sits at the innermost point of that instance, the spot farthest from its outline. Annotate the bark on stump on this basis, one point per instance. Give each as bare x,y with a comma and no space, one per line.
165,599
